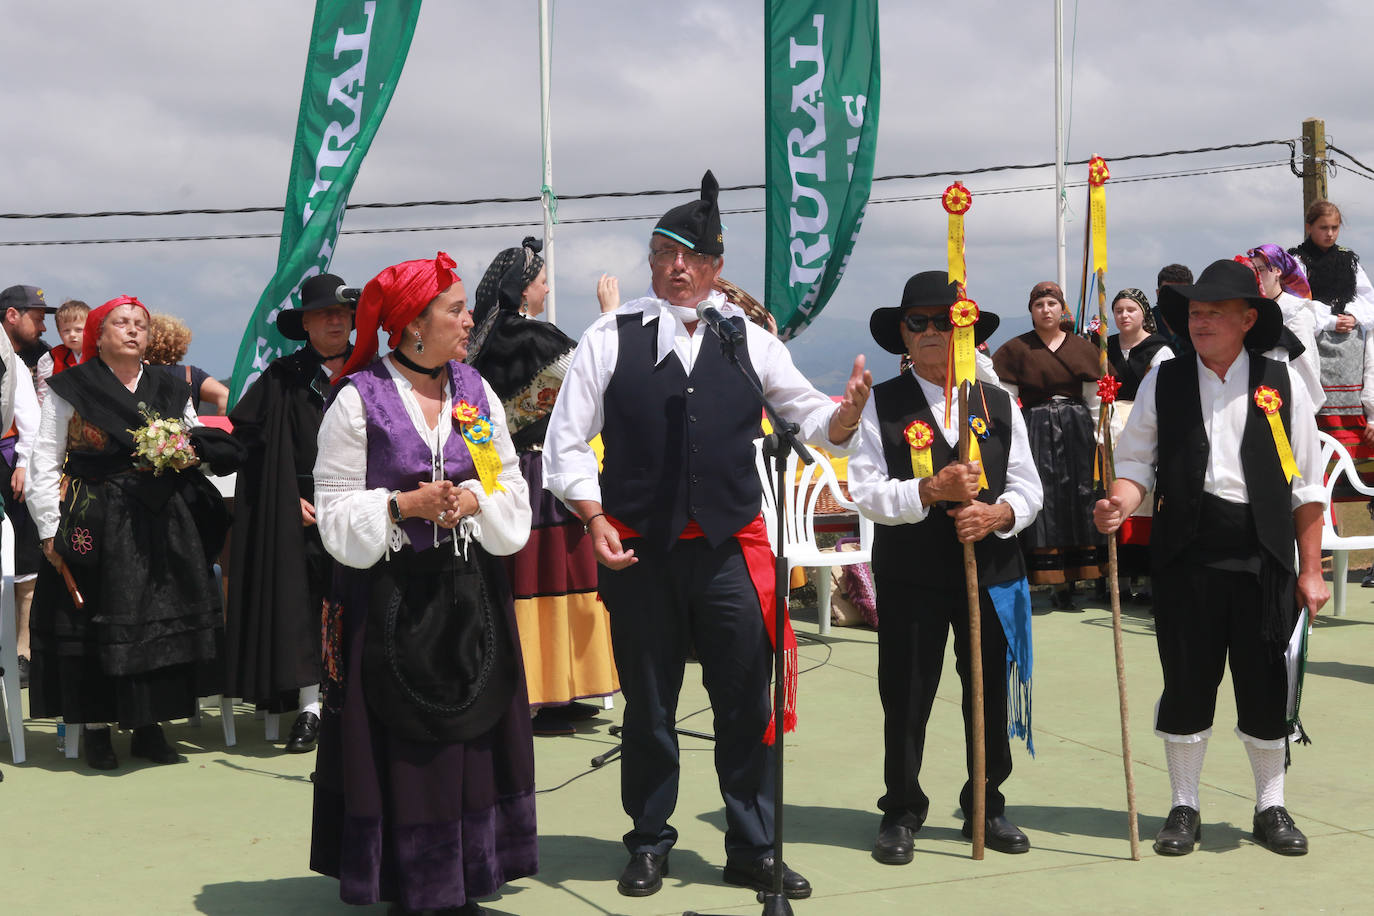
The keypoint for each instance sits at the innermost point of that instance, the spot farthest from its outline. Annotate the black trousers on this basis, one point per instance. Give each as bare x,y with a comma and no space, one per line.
914,621
692,595
1203,616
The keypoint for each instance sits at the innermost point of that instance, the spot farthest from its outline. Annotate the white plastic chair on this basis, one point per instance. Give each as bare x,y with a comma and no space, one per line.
804,486
11,702
1335,457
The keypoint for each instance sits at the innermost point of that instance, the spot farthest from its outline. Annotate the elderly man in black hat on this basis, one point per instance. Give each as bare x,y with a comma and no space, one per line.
676,527
280,568
907,477
1227,440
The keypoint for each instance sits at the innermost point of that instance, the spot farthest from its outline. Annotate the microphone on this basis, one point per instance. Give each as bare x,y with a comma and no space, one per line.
347,295
726,331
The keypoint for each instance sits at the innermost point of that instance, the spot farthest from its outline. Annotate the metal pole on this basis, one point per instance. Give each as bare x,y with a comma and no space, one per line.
1061,202
545,56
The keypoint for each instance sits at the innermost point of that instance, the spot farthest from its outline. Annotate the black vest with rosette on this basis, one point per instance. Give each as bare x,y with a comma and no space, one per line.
1184,452
679,447
930,550
1130,370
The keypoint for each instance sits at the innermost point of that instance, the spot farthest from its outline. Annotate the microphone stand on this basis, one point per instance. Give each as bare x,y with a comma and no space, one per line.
776,447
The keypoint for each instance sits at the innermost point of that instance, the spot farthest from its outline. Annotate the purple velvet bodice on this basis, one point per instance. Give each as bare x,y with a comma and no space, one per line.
397,458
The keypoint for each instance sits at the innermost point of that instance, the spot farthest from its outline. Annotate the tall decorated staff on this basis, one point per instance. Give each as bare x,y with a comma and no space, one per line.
959,373
1107,387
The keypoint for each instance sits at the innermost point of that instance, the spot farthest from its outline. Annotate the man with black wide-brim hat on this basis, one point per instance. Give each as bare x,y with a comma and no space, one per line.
1227,439
907,477
280,567
675,524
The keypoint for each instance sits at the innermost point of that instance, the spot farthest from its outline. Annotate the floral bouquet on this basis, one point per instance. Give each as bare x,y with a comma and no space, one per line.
162,443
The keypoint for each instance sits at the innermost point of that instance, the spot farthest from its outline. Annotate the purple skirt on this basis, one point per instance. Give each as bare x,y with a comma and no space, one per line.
425,825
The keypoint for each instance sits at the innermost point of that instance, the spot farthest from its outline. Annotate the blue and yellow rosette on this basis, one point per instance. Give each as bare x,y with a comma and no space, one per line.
477,432
978,427
1269,401
919,436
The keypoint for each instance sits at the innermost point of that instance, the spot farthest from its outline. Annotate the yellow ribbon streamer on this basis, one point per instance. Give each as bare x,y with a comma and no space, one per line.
964,315
1269,401
477,433
975,424
919,436
957,200
1098,173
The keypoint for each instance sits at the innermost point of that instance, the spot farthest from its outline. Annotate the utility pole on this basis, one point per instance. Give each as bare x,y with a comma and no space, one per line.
1313,162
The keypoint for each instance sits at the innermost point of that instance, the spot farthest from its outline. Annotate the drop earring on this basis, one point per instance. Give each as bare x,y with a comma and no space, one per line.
419,344
524,308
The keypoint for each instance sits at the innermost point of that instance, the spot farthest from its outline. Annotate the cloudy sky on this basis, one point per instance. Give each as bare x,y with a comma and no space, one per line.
155,104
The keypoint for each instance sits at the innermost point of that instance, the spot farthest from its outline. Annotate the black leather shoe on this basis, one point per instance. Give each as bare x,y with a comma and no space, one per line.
100,753
1000,835
1274,829
549,722
894,845
1182,828
758,874
151,744
304,733
643,875
1062,600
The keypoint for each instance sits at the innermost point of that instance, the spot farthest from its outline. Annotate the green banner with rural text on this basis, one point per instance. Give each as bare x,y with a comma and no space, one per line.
357,50
821,85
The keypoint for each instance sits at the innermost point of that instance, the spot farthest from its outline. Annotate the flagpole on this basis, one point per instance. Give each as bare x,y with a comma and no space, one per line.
546,193
1061,202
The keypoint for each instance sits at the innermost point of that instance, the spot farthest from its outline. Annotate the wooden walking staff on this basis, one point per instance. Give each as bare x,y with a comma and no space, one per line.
1106,390
960,371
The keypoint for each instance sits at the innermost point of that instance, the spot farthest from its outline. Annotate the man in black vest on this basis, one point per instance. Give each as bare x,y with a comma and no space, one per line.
675,522
907,477
1234,463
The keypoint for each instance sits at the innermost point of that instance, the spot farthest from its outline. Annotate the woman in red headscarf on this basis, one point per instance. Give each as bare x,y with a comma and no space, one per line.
133,529
424,785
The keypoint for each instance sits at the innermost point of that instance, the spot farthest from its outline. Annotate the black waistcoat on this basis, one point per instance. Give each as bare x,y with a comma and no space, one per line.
101,400
930,550
1331,273
1183,454
1131,370
679,447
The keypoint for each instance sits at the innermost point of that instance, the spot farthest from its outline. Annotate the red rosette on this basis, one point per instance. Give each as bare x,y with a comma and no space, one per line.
1098,173
964,313
1107,387
1268,399
957,199
919,435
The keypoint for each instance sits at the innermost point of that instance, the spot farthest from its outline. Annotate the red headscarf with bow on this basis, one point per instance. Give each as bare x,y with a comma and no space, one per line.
393,299
95,324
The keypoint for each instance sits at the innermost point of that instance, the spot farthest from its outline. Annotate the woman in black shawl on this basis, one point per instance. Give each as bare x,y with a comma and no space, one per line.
565,634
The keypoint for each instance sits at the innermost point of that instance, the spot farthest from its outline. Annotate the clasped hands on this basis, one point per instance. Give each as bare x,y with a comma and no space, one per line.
958,483
441,501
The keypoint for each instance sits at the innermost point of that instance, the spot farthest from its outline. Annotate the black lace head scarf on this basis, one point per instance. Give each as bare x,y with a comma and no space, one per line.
503,285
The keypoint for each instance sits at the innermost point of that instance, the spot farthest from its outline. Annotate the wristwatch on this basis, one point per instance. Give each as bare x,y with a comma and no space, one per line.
393,506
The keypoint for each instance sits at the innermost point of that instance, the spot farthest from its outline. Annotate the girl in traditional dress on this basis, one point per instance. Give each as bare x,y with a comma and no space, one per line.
424,785
1055,374
565,634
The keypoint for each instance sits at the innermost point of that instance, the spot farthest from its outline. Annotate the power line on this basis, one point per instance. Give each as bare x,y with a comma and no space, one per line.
608,195
516,224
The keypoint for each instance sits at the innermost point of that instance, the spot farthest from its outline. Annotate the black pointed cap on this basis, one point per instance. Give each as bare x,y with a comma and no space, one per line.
696,224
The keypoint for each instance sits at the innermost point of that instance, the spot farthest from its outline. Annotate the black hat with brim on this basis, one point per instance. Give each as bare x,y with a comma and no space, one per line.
697,224
319,292
928,289
1223,280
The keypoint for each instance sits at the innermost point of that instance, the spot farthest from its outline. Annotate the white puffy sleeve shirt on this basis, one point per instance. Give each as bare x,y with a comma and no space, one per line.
50,452
898,502
354,523
1225,402
570,470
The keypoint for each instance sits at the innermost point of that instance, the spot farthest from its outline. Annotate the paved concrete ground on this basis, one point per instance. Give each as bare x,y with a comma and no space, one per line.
227,832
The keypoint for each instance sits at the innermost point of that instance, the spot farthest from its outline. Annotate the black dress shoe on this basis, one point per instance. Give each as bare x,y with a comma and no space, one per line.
894,845
304,733
579,712
1182,828
643,875
1274,828
151,744
100,753
1062,601
758,874
550,723
1000,835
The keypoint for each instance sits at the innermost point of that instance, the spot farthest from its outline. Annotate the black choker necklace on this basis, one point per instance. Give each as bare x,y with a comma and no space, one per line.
416,367
324,359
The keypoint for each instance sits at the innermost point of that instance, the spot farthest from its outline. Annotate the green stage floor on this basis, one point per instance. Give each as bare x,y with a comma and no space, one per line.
227,833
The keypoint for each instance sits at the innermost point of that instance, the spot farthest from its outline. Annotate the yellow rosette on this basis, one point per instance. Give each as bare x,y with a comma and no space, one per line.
1269,400
919,436
477,431
963,314
957,200
1098,173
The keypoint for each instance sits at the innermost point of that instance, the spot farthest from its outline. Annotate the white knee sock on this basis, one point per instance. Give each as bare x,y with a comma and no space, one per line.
1185,770
1267,763
310,699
